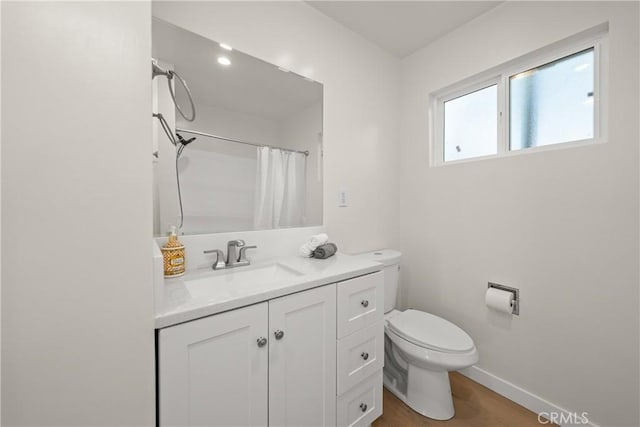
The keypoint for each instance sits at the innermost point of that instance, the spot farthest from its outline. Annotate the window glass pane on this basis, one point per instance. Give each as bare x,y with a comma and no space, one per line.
553,103
471,125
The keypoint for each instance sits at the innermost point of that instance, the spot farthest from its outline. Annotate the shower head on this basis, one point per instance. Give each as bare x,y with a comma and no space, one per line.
183,141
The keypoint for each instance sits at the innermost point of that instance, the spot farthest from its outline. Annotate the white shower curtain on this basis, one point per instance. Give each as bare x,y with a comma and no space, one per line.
280,189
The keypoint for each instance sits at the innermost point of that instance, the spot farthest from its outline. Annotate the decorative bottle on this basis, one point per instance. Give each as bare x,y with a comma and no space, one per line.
173,255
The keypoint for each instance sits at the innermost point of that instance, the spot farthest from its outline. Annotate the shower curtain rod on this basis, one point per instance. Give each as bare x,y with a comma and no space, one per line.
195,132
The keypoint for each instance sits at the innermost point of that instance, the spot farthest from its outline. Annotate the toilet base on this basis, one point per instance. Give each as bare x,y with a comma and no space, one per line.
429,394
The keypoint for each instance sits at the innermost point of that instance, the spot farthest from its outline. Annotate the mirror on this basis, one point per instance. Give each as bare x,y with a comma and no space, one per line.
256,161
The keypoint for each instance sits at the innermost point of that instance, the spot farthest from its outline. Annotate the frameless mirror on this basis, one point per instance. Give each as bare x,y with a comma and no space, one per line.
256,160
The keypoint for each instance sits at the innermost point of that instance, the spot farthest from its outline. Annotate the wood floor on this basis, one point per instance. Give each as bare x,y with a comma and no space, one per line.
476,406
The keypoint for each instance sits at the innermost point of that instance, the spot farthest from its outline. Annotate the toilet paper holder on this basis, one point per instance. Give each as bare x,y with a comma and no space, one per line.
514,291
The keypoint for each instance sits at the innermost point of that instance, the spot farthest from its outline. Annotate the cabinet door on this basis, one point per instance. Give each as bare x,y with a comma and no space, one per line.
213,372
302,358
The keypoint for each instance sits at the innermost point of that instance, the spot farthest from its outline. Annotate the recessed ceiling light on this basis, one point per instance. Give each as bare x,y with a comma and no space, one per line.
223,60
225,46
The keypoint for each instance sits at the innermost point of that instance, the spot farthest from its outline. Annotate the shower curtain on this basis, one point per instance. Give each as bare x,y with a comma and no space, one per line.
280,189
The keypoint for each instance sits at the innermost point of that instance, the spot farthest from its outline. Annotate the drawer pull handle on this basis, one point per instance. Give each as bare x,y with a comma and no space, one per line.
365,355
278,334
363,407
365,303
262,341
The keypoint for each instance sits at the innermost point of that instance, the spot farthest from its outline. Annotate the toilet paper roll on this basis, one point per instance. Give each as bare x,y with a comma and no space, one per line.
499,300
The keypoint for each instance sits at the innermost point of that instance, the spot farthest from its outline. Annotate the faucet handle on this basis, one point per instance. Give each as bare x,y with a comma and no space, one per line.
219,264
243,253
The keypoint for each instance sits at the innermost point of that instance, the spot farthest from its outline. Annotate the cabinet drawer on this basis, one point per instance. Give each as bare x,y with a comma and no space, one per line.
360,355
360,302
361,405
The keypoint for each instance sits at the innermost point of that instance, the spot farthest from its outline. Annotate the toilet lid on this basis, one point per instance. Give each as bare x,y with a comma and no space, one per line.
429,331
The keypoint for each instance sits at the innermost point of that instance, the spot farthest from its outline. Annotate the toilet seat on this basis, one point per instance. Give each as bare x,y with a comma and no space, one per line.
430,331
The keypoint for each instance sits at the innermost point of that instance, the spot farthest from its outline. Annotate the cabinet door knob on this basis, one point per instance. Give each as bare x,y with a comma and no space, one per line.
262,341
365,355
365,303
363,407
278,334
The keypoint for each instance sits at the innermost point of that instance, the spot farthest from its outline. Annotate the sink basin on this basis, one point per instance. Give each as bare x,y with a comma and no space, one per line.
240,281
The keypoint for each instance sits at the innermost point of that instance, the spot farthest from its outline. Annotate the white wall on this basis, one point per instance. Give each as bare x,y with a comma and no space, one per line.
0,218
232,124
218,190
77,316
560,225
360,102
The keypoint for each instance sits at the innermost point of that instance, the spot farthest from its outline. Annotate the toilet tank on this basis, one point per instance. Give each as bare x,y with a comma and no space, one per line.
390,258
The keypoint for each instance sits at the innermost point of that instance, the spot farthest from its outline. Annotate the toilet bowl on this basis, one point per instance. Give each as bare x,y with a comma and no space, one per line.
420,349
426,347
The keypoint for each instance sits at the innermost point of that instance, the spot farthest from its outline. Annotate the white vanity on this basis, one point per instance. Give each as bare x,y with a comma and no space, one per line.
288,342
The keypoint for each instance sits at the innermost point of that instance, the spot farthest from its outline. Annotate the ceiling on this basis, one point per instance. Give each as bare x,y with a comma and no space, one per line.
402,27
248,85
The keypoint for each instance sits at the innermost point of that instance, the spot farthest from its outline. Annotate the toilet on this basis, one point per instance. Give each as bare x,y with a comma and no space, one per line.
420,349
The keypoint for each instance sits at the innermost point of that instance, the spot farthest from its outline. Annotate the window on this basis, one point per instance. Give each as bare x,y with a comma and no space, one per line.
471,125
540,100
552,103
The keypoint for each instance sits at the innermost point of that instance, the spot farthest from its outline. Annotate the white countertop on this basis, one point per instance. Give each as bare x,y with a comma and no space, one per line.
181,305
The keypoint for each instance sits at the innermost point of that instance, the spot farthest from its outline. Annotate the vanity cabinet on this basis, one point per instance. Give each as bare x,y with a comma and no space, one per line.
273,363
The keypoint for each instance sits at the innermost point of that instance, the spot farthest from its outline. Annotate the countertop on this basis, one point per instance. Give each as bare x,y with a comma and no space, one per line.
180,304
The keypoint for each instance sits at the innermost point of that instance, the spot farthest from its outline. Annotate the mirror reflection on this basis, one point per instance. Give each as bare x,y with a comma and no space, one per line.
256,160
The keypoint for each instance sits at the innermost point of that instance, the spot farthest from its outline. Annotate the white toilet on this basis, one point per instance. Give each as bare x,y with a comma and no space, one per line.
420,349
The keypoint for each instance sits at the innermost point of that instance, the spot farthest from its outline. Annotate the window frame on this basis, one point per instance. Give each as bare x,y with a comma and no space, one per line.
596,38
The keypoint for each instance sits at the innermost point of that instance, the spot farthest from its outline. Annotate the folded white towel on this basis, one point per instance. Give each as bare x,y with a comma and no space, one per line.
306,251
317,240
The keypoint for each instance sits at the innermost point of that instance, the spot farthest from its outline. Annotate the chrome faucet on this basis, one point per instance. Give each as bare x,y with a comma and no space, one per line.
219,264
235,259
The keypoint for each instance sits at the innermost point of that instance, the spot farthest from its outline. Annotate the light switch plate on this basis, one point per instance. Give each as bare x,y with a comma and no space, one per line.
342,199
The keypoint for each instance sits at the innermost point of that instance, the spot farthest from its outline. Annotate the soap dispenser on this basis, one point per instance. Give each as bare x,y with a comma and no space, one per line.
173,255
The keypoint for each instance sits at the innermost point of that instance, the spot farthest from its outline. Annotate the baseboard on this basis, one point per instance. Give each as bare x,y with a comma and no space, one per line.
520,396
